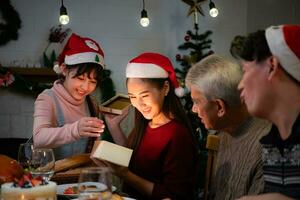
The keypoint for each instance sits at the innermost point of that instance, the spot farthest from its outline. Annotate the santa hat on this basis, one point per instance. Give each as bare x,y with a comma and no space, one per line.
153,65
80,50
284,43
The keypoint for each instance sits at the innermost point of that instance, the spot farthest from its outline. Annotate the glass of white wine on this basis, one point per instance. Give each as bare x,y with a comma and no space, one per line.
42,163
95,183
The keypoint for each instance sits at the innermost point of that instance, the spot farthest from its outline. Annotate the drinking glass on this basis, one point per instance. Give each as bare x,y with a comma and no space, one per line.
42,163
25,155
95,183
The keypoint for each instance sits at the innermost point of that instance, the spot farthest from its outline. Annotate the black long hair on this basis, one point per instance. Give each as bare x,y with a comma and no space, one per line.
172,108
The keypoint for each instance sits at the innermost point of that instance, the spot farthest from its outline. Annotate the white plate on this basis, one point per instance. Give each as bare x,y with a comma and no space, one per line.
124,198
61,188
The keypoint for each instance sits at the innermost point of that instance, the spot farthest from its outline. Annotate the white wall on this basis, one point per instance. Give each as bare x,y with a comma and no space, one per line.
114,24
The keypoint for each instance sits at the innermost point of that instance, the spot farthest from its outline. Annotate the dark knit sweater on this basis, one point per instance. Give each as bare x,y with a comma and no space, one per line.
281,162
238,170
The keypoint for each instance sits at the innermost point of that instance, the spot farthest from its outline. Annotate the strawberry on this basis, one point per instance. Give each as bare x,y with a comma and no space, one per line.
36,182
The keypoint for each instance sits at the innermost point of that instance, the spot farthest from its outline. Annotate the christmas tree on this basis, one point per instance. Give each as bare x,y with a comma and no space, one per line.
195,47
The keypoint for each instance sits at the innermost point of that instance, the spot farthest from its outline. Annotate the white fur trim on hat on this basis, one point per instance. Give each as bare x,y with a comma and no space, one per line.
180,92
279,48
145,70
56,68
85,57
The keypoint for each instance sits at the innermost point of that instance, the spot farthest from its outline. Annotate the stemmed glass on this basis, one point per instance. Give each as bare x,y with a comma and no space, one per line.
95,183
42,163
25,155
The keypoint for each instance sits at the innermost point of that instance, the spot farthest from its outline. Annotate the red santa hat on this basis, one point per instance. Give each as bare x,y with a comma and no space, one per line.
153,65
284,43
80,50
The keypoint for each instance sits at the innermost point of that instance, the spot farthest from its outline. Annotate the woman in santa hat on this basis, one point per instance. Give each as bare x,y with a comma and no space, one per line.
164,162
65,115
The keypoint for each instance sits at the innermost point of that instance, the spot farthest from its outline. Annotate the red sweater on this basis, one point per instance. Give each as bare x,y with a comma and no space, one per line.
167,157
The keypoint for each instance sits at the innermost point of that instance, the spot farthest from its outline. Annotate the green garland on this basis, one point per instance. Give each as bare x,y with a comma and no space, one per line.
9,30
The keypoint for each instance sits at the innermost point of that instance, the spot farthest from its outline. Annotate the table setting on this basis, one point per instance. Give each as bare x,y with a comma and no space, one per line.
36,175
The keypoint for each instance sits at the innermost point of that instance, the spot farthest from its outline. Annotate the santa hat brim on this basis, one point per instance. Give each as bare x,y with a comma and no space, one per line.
86,57
279,48
145,70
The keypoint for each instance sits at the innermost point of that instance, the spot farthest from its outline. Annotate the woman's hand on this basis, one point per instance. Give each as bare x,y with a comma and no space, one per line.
90,127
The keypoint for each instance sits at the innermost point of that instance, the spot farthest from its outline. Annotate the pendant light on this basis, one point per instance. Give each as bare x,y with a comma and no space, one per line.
63,18
144,21
213,11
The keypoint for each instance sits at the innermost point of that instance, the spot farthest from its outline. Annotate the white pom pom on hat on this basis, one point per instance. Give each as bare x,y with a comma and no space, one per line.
284,43
80,50
153,65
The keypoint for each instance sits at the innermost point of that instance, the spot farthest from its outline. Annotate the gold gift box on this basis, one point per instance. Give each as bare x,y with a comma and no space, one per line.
116,104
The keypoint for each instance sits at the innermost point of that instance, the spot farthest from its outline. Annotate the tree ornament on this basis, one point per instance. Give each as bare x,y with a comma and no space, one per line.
12,22
187,38
178,57
194,6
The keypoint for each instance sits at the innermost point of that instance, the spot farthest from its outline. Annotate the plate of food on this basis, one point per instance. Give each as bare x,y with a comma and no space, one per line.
117,197
71,189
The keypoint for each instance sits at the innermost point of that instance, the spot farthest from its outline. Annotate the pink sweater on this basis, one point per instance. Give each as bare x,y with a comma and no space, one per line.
46,132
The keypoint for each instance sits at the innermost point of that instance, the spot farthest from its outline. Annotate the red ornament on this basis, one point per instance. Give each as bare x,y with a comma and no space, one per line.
187,38
178,57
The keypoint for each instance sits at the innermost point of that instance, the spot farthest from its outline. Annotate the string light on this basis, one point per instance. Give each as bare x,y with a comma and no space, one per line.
144,21
63,18
213,11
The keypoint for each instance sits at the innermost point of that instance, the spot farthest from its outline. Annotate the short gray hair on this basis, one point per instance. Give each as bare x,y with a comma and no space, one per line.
216,77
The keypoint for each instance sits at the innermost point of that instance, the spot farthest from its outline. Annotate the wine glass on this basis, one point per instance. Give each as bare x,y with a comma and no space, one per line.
42,163
95,183
25,155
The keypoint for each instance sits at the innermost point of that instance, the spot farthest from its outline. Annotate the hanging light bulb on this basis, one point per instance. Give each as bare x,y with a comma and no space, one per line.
144,21
213,11
63,18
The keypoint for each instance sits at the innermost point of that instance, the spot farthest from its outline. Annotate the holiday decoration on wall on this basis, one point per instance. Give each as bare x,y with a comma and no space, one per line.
56,37
6,78
12,22
17,83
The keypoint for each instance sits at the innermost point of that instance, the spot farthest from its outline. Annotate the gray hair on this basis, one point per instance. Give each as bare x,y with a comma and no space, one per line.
216,77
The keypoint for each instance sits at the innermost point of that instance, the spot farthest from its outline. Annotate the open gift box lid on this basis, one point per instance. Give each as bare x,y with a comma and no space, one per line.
116,104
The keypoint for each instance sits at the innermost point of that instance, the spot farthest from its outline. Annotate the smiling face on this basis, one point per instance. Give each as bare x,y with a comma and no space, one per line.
207,110
146,98
254,86
79,86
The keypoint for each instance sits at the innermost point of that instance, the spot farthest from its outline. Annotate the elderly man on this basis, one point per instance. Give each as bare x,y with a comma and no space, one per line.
270,88
213,83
